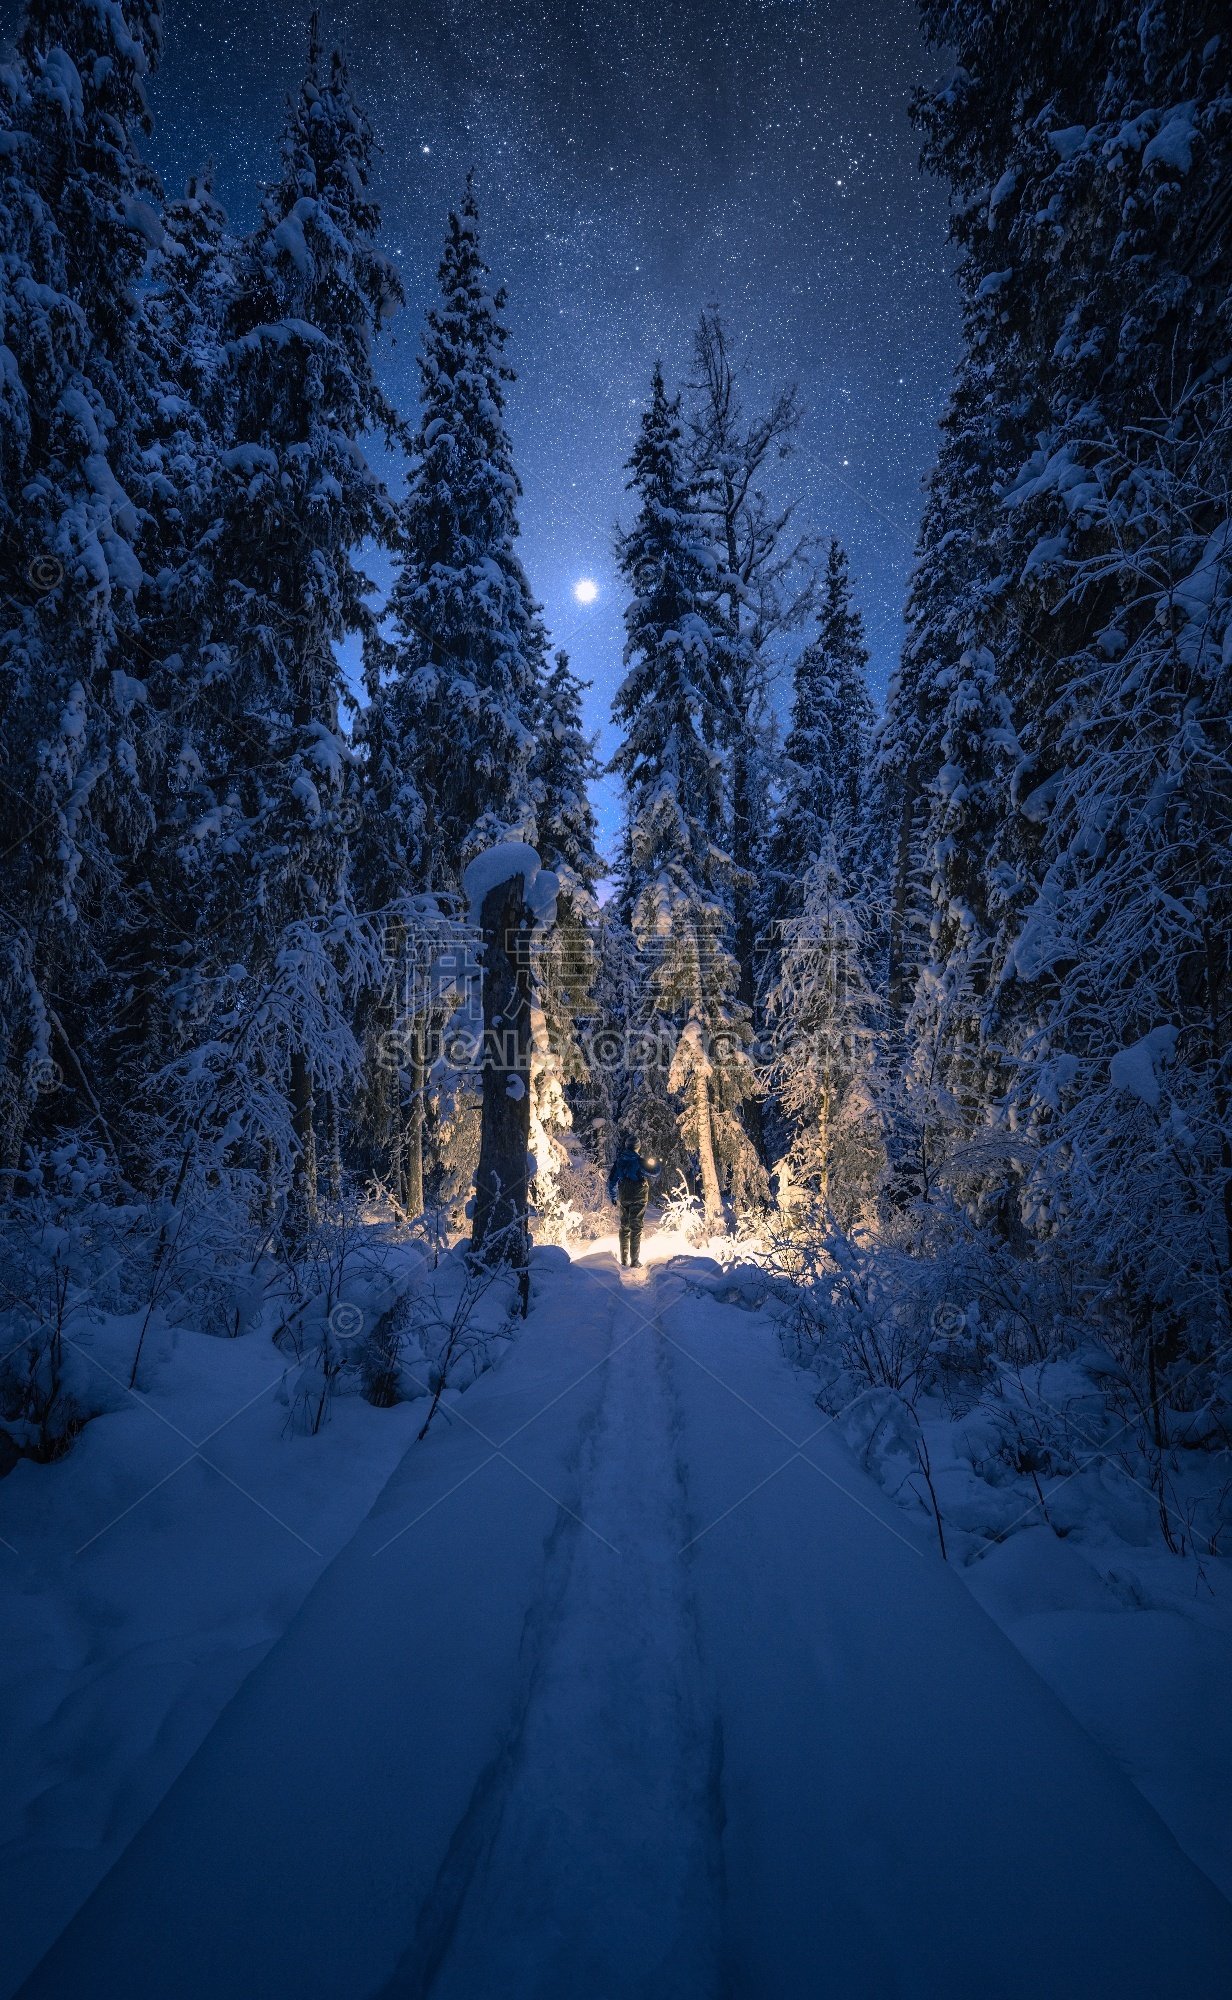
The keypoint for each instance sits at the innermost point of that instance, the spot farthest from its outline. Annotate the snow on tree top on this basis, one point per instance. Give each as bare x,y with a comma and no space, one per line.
504,863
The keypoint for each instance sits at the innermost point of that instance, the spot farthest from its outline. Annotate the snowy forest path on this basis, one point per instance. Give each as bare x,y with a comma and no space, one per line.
600,1849
633,1684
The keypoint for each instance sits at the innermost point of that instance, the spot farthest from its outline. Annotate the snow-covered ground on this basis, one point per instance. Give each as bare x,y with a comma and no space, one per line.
139,1584
628,1680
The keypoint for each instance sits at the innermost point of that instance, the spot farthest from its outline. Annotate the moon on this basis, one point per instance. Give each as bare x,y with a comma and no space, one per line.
586,590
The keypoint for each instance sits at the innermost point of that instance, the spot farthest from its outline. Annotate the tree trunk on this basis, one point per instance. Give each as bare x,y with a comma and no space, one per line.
304,1172
14,1115
824,1136
898,970
712,1200
412,1158
1217,1015
333,1146
499,1230
744,938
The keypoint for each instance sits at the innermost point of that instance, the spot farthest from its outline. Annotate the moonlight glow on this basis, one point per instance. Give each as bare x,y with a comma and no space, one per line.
586,590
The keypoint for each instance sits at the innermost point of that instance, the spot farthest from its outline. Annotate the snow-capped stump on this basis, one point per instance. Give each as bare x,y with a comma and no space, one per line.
511,861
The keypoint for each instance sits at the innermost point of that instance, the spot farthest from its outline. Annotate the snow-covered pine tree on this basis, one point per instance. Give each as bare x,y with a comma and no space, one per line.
184,431
1086,155
822,803
955,1080
761,589
622,1087
928,773
460,685
390,857
826,752
563,767
182,316
677,878
78,212
265,996
1124,1066
398,1019
823,1016
951,604
455,685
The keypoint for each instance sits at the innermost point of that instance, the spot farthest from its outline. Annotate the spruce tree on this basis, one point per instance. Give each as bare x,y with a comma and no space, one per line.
826,751
760,590
676,890
823,1016
184,432
1082,153
297,500
78,214
940,1076
455,684
460,684
181,326
563,767
952,589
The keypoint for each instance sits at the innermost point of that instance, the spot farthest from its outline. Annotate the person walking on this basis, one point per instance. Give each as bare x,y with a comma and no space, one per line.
629,1184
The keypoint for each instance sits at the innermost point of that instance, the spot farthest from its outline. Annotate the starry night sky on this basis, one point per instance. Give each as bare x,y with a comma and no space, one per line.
636,160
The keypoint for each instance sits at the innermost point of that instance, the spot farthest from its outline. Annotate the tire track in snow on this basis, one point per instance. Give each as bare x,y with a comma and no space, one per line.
473,1836
588,1860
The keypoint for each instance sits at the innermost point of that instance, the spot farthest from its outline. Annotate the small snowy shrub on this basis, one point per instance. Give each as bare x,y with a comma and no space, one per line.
69,1253
682,1214
452,1326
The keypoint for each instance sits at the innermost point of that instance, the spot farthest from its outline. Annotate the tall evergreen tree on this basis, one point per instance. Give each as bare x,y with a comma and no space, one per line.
1085,155
954,591
184,431
77,216
826,751
455,687
823,1015
297,501
761,589
563,768
459,690
677,885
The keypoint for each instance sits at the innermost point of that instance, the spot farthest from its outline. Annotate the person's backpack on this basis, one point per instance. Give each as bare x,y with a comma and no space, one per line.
628,1170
